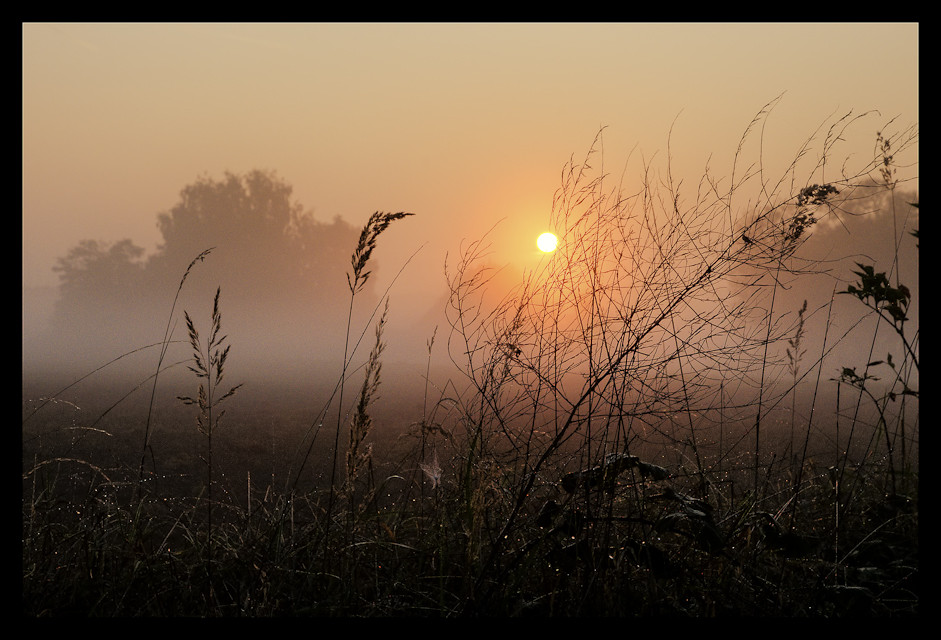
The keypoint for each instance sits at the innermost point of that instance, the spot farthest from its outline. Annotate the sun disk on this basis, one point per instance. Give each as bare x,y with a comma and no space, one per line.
547,242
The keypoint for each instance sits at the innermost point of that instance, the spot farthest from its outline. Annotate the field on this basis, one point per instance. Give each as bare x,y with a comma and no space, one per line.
641,545
645,427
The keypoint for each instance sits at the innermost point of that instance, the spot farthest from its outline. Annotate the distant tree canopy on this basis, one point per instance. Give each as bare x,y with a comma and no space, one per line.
265,243
268,254
96,271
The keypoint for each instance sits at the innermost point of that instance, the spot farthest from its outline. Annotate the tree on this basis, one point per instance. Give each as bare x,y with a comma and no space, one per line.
280,267
97,279
265,243
98,268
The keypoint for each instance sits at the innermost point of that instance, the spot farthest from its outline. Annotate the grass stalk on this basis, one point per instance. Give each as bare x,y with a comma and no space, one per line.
377,223
209,366
163,352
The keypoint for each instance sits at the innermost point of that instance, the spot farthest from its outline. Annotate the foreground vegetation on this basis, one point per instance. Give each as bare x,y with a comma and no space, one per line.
613,445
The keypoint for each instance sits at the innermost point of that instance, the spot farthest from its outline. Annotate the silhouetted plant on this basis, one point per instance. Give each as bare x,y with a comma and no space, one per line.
209,367
620,338
377,223
359,453
890,303
794,354
163,352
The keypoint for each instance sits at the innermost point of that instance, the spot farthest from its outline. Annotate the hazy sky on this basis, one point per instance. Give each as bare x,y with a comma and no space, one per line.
463,124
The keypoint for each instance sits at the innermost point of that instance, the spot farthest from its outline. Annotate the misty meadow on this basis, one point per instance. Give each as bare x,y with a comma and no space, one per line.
703,403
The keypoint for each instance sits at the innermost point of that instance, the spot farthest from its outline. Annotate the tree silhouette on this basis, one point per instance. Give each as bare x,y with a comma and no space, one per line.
277,263
98,269
266,244
98,281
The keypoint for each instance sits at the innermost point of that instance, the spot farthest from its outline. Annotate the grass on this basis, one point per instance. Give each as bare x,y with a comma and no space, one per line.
605,447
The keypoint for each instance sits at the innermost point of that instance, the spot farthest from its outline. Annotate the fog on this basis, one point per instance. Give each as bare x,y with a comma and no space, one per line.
472,139
296,342
280,334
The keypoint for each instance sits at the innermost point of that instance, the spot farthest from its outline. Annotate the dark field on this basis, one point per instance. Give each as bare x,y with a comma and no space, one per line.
120,547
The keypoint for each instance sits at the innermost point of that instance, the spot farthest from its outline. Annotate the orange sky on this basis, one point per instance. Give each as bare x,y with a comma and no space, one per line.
463,124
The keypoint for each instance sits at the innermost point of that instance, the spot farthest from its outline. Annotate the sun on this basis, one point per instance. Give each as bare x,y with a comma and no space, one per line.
547,242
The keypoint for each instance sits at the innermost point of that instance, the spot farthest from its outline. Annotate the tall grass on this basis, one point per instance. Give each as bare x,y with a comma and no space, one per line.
604,446
209,367
618,343
163,352
377,223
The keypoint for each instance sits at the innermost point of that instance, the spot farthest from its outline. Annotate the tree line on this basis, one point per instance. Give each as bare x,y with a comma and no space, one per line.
272,260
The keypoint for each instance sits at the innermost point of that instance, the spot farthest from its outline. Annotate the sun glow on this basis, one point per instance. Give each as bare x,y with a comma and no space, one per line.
547,242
